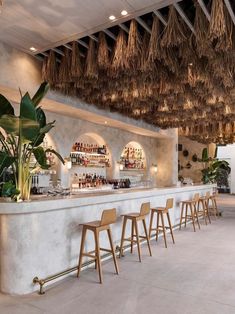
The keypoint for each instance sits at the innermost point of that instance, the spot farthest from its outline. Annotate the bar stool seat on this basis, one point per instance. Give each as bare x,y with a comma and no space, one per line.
193,215
108,217
135,237
160,211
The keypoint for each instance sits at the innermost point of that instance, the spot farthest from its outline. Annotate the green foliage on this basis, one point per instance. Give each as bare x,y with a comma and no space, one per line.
24,135
8,189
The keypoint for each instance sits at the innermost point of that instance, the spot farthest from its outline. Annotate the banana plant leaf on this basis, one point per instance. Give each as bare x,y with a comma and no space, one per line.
41,92
41,158
49,150
5,161
41,117
5,106
28,129
27,108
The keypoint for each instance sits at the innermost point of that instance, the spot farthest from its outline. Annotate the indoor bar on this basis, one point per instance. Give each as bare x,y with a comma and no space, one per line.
117,162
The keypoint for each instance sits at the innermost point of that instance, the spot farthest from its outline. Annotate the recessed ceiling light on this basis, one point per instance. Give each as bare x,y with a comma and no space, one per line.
33,49
112,17
124,12
105,122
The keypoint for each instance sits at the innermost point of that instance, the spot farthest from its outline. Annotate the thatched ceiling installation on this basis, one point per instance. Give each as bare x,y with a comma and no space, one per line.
171,68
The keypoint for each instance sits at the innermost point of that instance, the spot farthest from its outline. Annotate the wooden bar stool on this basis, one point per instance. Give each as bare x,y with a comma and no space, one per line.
160,213
135,217
108,217
212,205
202,207
193,215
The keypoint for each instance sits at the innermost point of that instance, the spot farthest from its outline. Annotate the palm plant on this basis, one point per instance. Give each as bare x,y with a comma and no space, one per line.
21,138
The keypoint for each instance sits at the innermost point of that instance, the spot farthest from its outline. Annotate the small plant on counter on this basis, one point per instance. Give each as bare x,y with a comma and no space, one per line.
21,138
9,190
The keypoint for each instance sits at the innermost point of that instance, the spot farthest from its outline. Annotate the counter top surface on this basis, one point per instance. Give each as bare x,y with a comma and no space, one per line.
48,203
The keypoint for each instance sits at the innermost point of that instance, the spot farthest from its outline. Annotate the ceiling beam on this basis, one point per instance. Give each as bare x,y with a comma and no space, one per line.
124,27
82,43
58,51
110,34
143,24
204,9
184,17
230,10
160,16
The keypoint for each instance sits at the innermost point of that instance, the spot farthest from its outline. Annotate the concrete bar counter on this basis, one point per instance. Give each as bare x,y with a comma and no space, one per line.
42,237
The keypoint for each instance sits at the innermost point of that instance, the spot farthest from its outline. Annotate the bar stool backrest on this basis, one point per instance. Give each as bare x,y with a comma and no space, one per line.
145,209
108,217
169,203
196,197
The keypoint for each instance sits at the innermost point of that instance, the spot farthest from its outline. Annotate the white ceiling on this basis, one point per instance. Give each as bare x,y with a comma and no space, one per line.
47,23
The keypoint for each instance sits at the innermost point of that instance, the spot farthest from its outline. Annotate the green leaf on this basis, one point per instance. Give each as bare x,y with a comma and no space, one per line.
15,125
41,117
27,109
5,106
216,151
47,127
49,150
205,154
5,161
41,92
40,156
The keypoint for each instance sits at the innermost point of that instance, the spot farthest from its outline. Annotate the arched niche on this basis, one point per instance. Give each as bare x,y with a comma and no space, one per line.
133,157
92,139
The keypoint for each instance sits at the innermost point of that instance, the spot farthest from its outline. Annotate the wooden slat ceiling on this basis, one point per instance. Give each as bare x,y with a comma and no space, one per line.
48,23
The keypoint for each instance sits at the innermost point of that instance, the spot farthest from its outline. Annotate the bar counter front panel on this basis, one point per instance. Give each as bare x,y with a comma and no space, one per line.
42,237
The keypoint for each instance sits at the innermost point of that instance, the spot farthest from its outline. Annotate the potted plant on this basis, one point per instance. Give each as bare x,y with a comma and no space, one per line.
22,137
213,168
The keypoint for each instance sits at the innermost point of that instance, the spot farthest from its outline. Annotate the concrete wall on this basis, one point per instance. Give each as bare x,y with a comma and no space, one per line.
192,147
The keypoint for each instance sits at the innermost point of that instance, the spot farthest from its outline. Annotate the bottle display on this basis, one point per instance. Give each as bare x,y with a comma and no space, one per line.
132,158
89,155
87,180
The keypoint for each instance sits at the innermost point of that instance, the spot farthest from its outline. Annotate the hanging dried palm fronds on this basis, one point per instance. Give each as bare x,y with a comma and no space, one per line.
219,21
51,68
225,42
44,69
76,63
133,47
119,62
91,67
154,48
201,26
65,67
174,33
103,52
143,57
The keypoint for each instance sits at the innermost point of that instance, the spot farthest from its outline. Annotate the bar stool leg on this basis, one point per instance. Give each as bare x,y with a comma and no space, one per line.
137,238
84,229
196,214
169,222
151,223
163,229
204,211
147,237
207,210
157,229
186,216
97,253
132,234
181,215
122,238
113,251
192,215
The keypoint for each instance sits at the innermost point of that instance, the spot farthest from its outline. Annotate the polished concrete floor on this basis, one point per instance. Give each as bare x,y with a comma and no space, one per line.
194,276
